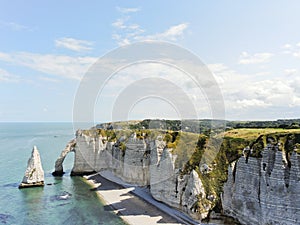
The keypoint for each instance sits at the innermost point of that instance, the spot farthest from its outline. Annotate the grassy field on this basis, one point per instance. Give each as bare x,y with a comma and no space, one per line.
250,134
193,148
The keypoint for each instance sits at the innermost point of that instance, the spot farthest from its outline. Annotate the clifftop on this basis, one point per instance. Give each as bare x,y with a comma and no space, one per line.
173,161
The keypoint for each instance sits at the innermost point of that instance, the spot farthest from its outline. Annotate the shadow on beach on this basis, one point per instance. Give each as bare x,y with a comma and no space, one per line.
127,203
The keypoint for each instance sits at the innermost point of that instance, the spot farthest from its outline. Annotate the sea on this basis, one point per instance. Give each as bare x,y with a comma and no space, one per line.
63,200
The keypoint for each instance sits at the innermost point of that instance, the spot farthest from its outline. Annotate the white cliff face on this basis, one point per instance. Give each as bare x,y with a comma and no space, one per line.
180,191
136,162
85,154
265,190
59,162
145,162
163,179
194,189
34,174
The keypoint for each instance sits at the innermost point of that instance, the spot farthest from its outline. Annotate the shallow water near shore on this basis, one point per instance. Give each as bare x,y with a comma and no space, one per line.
63,200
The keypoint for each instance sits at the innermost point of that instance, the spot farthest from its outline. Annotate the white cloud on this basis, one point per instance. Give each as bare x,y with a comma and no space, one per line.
172,33
246,58
258,92
49,79
296,54
276,92
14,26
58,65
127,32
292,49
227,78
287,46
295,101
5,76
291,71
128,10
74,44
120,23
246,103
133,32
217,67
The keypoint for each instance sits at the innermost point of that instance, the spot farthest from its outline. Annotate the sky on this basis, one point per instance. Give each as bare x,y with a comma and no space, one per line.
252,49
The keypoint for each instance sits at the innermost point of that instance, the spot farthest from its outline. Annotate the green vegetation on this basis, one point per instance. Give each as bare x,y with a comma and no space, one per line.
206,125
297,148
286,124
253,133
231,149
193,140
32,172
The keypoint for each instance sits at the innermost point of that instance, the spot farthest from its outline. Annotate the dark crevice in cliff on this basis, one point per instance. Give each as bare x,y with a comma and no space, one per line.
259,180
287,175
176,187
271,161
234,171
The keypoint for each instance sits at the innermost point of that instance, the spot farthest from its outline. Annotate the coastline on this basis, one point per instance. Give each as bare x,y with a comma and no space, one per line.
133,204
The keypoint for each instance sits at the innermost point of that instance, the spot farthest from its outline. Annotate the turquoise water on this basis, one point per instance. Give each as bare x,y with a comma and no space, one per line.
65,200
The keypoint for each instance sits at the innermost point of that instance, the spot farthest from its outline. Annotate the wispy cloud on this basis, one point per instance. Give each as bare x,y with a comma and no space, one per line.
57,65
246,58
290,72
127,32
120,23
74,44
14,26
244,93
292,49
247,103
128,10
287,46
49,79
172,33
5,76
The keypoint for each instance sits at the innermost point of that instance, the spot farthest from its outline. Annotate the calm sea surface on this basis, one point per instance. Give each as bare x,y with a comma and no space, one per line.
68,200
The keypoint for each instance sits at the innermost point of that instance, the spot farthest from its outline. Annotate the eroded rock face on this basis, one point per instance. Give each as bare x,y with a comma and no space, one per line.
180,191
34,174
163,179
265,190
59,162
136,162
145,162
194,190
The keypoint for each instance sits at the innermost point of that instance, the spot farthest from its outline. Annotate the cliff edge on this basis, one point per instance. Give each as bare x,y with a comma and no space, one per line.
265,189
258,184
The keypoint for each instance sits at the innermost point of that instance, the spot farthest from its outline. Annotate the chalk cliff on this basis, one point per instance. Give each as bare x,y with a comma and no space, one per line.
168,185
59,162
34,174
262,186
265,190
138,160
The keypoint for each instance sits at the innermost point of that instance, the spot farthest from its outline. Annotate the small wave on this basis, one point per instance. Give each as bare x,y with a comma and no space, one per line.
6,218
63,196
11,185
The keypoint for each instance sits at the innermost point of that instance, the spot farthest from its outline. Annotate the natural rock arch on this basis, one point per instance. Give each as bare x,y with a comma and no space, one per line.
70,147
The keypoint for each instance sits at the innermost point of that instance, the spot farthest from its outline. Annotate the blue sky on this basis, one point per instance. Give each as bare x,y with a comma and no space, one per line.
253,49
